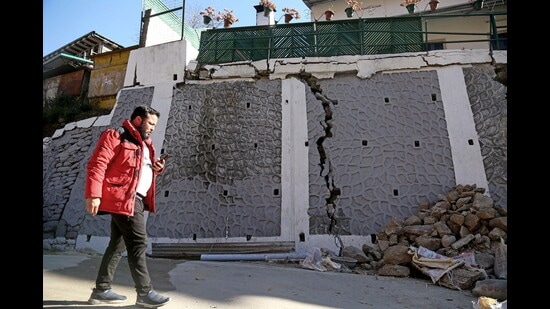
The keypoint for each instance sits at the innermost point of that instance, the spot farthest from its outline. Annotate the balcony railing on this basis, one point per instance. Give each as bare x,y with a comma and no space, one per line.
388,35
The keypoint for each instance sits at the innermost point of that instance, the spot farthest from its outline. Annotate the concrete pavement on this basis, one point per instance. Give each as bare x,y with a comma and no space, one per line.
69,278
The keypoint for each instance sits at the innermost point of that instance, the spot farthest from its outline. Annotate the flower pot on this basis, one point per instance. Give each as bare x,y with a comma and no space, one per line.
206,19
478,4
288,18
349,12
433,4
227,23
267,11
410,8
328,15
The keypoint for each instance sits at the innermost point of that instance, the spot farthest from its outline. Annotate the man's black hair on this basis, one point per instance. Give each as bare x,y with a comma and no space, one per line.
144,111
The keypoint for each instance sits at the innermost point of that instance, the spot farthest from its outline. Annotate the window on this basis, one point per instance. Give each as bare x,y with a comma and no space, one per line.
501,42
433,46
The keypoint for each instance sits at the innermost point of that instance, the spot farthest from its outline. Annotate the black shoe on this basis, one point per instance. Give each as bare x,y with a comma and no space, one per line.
151,300
105,297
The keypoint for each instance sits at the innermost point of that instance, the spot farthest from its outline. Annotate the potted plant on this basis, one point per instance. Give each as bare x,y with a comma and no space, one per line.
208,14
410,4
329,13
269,6
291,13
228,18
352,6
477,4
433,4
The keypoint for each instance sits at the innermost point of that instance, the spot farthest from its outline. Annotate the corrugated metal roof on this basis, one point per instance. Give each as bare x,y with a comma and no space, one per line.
77,53
63,63
85,46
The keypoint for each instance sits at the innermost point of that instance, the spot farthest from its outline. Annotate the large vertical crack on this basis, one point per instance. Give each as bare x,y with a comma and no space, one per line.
325,164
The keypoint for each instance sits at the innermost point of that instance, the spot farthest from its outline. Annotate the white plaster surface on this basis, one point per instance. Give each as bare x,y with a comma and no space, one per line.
282,69
467,159
448,57
367,68
150,66
86,123
243,70
58,133
500,56
260,65
162,100
294,162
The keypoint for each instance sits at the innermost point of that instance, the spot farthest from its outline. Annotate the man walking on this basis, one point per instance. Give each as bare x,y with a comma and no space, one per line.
120,181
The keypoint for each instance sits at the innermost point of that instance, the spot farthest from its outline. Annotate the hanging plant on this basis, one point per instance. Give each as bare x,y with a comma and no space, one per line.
477,4
349,12
433,4
329,13
208,14
410,5
352,6
228,18
269,6
291,13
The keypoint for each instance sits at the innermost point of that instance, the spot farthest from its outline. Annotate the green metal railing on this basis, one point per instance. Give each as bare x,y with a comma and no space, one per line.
388,35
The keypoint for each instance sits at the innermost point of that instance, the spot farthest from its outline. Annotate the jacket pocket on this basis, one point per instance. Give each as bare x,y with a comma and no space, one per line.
117,187
128,156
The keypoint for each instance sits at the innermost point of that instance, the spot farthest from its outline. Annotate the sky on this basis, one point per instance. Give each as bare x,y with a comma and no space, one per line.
64,21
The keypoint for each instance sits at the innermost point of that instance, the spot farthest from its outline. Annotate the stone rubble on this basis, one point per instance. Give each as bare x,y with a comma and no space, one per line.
462,221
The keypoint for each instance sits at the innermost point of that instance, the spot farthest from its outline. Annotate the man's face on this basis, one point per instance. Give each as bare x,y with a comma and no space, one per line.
147,126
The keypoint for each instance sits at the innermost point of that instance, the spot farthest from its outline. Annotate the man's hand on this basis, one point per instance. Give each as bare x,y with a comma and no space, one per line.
92,205
158,165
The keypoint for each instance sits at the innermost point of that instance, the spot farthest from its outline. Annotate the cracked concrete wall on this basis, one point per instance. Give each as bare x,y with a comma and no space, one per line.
246,159
388,150
490,111
224,178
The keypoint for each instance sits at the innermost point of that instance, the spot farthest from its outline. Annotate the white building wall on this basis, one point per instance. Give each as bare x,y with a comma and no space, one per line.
294,158
159,32
149,65
465,148
375,8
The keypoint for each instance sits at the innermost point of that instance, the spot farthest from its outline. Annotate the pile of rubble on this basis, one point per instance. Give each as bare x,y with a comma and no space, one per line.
464,229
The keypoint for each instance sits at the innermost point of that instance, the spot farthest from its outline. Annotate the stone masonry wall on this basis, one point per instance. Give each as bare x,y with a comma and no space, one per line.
378,147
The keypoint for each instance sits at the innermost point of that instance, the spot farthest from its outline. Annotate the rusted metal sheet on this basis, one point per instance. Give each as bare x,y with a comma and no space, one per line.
72,83
107,77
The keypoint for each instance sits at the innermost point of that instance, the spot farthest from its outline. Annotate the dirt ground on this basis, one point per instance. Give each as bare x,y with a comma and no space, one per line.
68,279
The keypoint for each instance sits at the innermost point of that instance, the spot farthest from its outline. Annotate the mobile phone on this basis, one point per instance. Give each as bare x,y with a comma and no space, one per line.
165,156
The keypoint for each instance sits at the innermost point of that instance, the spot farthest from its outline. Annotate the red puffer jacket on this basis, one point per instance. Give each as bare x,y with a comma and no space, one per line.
113,171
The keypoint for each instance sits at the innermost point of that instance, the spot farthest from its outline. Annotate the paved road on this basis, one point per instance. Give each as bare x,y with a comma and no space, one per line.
68,279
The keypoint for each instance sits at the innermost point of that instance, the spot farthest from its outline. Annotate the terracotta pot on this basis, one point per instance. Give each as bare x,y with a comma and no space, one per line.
227,23
328,15
288,18
478,4
434,4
